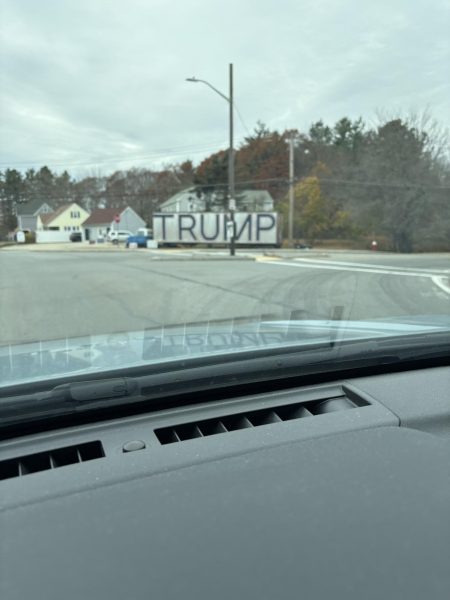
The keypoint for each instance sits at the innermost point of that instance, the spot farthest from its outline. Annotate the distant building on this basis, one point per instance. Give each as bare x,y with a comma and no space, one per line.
27,214
68,217
246,201
102,220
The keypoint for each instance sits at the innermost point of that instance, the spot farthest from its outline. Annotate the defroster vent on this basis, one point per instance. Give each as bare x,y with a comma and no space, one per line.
53,459
265,416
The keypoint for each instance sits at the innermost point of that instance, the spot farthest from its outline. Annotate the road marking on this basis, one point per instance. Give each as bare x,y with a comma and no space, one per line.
439,281
263,258
372,266
335,266
165,253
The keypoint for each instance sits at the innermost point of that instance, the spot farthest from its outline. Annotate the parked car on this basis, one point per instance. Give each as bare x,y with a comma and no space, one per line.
116,237
76,236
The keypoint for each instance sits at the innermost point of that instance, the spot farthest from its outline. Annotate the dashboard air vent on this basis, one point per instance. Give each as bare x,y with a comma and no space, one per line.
53,459
277,414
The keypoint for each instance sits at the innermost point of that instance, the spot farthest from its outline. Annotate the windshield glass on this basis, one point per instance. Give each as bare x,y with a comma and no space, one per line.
206,179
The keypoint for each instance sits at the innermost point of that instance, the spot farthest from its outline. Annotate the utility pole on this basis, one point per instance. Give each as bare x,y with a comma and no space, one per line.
291,192
231,226
231,186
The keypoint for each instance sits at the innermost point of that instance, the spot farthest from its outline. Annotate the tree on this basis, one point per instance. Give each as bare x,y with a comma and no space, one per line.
44,187
262,161
63,188
316,215
11,195
320,134
140,192
347,134
403,176
89,192
211,180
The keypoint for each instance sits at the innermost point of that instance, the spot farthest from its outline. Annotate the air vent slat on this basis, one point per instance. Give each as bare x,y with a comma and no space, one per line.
266,416
53,459
293,411
236,422
212,427
188,432
331,405
35,463
263,417
65,456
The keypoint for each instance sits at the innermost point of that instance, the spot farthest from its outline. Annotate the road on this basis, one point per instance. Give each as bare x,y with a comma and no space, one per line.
52,295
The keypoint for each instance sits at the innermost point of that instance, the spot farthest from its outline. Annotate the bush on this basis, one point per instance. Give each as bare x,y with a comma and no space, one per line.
30,237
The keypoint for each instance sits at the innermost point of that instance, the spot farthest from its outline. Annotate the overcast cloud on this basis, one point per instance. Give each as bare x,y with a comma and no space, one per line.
95,85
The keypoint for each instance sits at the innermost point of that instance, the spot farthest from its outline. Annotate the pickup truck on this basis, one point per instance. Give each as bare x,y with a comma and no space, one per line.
140,238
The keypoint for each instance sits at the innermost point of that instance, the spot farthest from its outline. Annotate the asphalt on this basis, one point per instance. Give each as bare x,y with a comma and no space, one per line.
48,295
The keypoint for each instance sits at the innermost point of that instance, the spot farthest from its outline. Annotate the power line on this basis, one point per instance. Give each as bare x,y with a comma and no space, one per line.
273,181
241,119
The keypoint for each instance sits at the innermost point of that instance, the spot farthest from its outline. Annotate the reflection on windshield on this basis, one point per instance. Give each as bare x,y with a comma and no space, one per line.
28,362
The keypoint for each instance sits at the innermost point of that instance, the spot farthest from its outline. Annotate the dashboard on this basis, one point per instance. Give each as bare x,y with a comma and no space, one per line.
335,490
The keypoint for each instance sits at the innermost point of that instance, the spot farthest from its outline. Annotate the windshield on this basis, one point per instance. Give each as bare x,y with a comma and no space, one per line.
210,180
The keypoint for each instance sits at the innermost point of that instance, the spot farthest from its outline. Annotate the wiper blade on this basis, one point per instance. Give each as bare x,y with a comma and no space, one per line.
66,399
88,391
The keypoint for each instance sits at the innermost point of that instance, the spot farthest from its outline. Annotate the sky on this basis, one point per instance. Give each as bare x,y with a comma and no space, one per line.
92,86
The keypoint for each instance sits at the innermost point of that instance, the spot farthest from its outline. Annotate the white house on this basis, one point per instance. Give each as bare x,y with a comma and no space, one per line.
68,218
246,201
103,220
57,226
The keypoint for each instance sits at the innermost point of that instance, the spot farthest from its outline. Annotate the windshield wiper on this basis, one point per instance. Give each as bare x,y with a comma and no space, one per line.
67,398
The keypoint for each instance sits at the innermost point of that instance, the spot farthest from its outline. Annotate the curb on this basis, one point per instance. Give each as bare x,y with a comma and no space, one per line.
204,258
170,256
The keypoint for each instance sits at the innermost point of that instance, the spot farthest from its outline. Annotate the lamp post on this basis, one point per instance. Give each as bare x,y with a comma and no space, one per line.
231,181
291,142
291,192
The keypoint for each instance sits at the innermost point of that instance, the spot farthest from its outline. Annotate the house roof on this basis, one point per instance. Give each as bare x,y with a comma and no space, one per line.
186,195
102,216
30,208
47,218
242,196
254,196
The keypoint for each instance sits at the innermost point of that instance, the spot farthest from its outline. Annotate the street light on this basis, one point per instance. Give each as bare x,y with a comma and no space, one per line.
231,184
